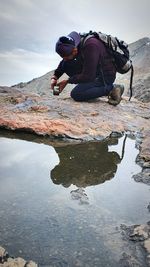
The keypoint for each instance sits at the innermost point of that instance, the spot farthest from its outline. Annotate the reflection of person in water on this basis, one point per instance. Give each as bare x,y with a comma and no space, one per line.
85,164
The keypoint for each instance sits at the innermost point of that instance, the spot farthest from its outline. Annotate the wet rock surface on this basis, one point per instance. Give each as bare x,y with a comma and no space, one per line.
139,236
143,176
7,261
53,115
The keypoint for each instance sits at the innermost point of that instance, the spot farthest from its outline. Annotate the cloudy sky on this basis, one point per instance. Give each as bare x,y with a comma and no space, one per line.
29,30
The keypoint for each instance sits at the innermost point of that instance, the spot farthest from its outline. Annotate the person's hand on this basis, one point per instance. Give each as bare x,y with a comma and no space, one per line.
53,82
62,84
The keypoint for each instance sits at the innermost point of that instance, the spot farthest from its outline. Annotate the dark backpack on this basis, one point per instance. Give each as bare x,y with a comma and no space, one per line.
118,50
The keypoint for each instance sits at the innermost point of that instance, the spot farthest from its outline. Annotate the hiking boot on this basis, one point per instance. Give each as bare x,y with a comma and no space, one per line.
115,94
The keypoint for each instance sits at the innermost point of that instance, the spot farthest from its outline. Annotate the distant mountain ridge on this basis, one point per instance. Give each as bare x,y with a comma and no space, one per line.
140,55
135,46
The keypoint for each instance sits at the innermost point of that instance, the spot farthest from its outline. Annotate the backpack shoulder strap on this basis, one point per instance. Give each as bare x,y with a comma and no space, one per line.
86,36
131,81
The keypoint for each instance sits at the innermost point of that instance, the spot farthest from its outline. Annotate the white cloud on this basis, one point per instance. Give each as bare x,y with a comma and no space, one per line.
20,65
19,152
29,30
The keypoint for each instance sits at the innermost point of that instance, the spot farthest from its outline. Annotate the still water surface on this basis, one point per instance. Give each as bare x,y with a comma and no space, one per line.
63,205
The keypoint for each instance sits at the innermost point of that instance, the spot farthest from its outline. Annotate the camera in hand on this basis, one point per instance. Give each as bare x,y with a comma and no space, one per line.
56,90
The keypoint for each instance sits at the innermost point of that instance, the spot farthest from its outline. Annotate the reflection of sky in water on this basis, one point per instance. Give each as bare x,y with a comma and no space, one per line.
21,152
40,218
22,164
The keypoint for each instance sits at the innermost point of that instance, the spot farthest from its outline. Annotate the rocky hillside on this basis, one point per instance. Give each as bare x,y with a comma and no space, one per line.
140,52
140,55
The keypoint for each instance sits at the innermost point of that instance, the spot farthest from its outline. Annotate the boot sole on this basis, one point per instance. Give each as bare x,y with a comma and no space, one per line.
116,102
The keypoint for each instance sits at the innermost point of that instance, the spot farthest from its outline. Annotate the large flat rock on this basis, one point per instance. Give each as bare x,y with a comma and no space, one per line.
60,116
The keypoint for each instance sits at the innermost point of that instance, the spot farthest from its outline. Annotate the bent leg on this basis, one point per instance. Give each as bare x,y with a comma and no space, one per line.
87,91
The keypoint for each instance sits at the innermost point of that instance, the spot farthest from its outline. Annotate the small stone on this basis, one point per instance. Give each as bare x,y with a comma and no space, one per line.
140,233
31,264
147,245
3,255
2,251
6,261
146,164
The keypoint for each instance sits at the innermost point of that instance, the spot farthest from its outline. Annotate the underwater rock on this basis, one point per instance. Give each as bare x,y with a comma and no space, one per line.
140,235
143,177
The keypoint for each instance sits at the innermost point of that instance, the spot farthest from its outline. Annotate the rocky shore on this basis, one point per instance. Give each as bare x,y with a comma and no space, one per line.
137,238
7,261
139,243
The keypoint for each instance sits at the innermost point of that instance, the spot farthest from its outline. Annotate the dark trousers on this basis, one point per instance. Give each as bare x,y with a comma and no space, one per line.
86,91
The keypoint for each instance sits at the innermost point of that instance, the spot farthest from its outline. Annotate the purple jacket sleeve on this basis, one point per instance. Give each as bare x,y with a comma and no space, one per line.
91,56
59,71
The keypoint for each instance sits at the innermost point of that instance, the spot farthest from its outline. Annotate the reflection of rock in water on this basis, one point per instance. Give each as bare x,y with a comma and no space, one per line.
85,164
79,194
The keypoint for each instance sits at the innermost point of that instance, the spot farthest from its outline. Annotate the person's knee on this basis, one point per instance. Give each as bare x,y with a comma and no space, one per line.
74,95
